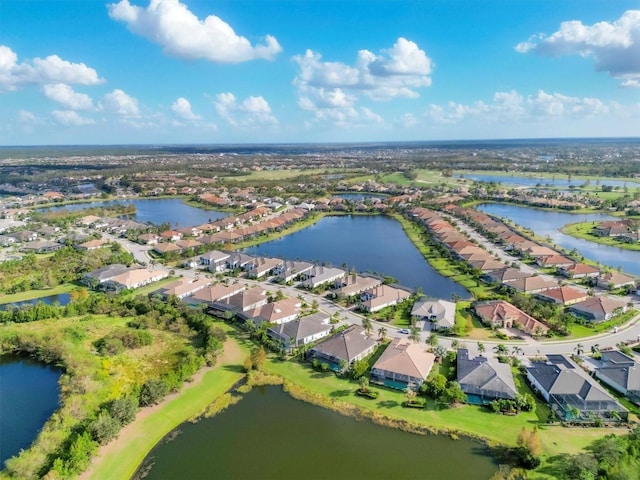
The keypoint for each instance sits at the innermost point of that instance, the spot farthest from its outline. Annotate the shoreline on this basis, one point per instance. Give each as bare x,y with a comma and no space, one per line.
573,230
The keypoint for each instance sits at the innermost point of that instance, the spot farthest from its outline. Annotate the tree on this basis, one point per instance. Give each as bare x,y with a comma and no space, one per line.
124,409
152,392
410,394
258,357
433,340
579,349
364,383
414,334
453,393
382,333
359,368
501,350
368,326
481,348
516,350
440,351
104,428
435,386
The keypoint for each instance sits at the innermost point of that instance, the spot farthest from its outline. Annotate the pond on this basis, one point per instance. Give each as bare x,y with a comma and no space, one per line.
156,211
544,222
269,435
365,243
28,397
359,197
61,298
558,181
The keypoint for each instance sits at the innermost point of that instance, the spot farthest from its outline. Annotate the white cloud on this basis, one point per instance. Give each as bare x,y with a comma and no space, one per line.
252,111
182,108
27,118
172,25
510,106
70,118
51,69
120,103
65,96
331,90
614,46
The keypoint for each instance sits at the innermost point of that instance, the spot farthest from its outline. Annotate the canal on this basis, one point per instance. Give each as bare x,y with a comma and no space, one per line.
269,435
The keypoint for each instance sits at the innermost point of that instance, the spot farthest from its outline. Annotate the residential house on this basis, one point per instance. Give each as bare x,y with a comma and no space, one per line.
532,284
320,275
188,243
554,261
165,248
404,364
24,236
505,275
611,228
93,244
41,246
301,331
486,265
599,309
353,284
215,260
135,278
572,394
183,287
435,313
170,235
579,270
101,275
564,295
613,280
290,269
501,314
377,298
344,348
148,239
262,266
621,372
484,380
280,311
238,260
215,293
247,300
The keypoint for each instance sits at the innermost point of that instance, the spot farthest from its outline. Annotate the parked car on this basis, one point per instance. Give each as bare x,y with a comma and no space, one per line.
403,330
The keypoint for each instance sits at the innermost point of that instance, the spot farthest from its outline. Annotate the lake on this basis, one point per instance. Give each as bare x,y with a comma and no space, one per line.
269,435
61,298
544,222
28,397
365,243
156,211
558,181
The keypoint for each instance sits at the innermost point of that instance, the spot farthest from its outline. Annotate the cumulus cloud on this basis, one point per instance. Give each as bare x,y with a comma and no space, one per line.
51,69
70,118
614,46
331,90
511,106
27,118
65,96
252,111
119,103
181,34
182,108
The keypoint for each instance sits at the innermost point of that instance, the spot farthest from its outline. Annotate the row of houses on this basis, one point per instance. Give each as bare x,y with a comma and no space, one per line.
117,277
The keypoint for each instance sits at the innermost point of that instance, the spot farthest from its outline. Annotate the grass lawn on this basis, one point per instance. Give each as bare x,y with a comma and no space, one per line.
31,294
120,459
280,174
583,230
147,289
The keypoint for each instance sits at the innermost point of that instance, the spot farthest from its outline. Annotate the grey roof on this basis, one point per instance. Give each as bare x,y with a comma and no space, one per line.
347,344
303,327
442,311
621,369
507,274
486,377
105,273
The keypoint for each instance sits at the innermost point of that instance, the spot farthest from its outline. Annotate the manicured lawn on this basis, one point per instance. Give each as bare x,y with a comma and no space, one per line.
31,294
584,230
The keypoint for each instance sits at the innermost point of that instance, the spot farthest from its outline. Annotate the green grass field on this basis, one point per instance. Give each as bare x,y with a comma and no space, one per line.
583,230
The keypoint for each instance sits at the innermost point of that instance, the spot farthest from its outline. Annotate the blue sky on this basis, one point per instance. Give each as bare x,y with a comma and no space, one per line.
252,71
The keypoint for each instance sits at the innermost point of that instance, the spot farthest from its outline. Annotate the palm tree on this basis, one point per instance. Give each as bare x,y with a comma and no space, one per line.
595,349
579,349
455,344
414,334
481,348
501,349
516,350
382,333
433,340
368,327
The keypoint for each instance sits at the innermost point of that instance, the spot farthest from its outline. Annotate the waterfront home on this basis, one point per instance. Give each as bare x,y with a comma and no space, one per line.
436,314
182,288
89,221
621,372
320,275
599,309
148,239
611,228
280,311
216,293
171,235
238,260
189,231
377,298
578,270
135,278
572,394
487,264
301,331
505,275
262,266
484,380
613,280
564,295
288,270
102,275
554,261
215,261
501,314
536,250
344,347
354,284
532,284
404,364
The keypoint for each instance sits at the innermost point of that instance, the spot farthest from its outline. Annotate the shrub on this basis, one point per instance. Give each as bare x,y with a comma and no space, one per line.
152,392
104,428
124,409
